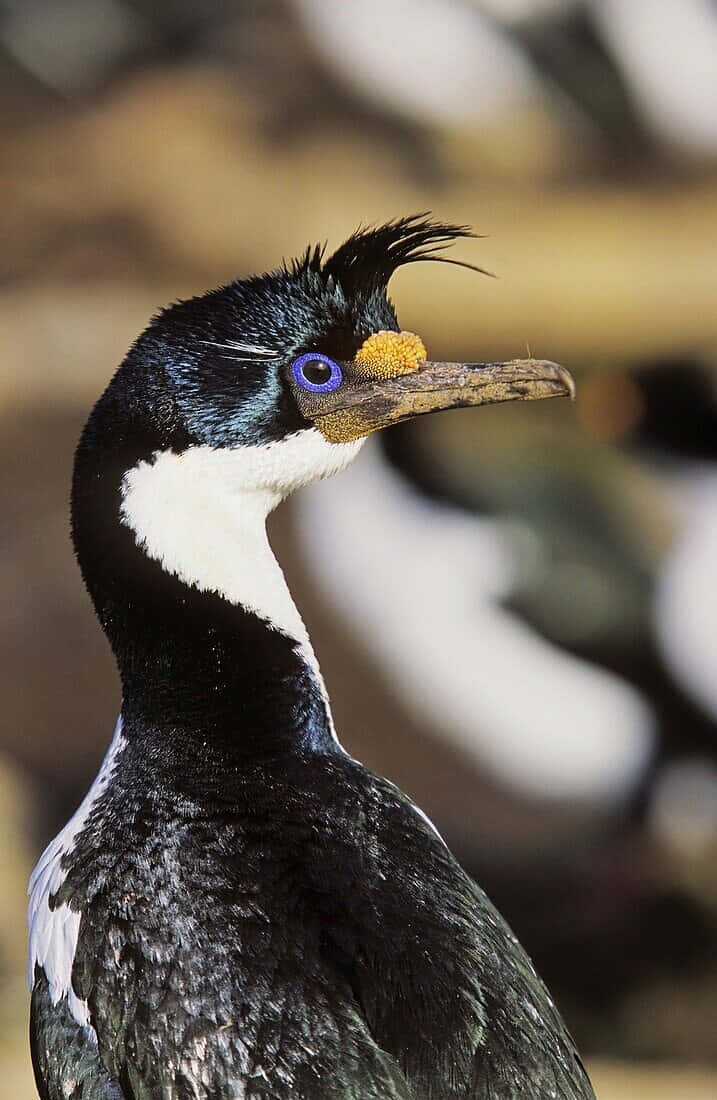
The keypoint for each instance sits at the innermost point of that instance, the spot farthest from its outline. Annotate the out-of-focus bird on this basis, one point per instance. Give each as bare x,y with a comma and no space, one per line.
676,427
239,908
457,687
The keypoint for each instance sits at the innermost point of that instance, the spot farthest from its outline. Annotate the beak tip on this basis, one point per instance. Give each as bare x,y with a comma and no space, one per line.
559,379
567,380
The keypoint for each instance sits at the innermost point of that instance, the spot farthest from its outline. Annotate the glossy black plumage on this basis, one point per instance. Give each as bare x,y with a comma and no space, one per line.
298,916
260,915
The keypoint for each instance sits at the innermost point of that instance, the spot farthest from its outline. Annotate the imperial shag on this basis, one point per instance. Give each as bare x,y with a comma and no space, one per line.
239,908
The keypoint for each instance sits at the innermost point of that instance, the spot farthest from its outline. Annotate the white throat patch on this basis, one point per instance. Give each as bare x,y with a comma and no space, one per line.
202,515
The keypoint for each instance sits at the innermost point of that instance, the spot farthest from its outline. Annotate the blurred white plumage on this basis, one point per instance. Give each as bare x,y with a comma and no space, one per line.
539,719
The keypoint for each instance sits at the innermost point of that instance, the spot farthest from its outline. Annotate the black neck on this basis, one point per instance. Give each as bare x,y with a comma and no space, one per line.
189,661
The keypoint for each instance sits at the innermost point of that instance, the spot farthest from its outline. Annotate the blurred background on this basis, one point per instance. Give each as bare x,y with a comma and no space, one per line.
151,150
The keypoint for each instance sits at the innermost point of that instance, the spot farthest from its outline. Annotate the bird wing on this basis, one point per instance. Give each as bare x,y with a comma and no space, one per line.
526,1048
65,1056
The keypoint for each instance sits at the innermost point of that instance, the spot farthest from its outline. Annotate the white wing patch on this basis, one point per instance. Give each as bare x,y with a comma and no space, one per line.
53,932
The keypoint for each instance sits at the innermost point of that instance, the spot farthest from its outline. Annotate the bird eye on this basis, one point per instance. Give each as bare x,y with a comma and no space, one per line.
316,372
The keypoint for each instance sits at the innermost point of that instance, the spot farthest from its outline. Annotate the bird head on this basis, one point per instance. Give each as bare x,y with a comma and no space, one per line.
312,356
223,406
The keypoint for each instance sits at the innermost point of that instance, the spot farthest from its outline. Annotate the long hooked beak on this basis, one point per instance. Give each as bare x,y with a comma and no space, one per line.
363,409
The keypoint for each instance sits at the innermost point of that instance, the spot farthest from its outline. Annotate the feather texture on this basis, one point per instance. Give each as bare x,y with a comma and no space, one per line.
365,262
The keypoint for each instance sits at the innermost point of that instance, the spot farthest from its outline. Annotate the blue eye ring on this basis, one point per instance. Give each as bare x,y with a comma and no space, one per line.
332,382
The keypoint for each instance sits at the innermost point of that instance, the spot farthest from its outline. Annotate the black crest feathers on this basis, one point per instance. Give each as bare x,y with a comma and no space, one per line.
367,260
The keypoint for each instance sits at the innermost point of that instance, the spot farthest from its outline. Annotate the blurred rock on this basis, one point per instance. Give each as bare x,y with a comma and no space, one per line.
621,1081
16,843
